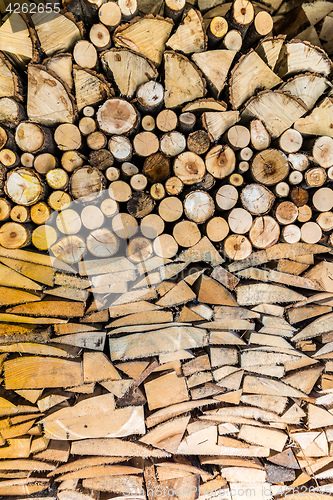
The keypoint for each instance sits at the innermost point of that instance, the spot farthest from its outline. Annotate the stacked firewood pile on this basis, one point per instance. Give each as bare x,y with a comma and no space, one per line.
166,250
163,130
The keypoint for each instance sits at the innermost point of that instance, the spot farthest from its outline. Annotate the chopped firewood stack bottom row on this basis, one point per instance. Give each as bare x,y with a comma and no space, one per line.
202,377
166,251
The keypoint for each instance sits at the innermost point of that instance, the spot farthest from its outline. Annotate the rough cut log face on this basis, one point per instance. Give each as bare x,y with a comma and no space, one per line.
49,102
183,80
56,33
16,29
128,69
89,89
190,36
241,88
146,36
215,66
10,82
24,187
166,257
270,167
277,110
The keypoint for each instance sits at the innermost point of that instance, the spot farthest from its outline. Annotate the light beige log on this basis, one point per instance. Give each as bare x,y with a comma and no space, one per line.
277,110
119,64
100,36
117,116
311,232
186,233
237,247
139,249
124,225
19,213
242,87
88,183
323,199
148,35
165,246
132,346
291,234
260,138
172,143
120,148
24,187
291,141
71,160
32,138
226,197
240,221
59,200
45,162
189,167
46,107
233,40
85,54
170,209
110,14
146,144
14,235
257,199
174,186
199,206
217,229
183,81
218,122
152,226
68,137
69,249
